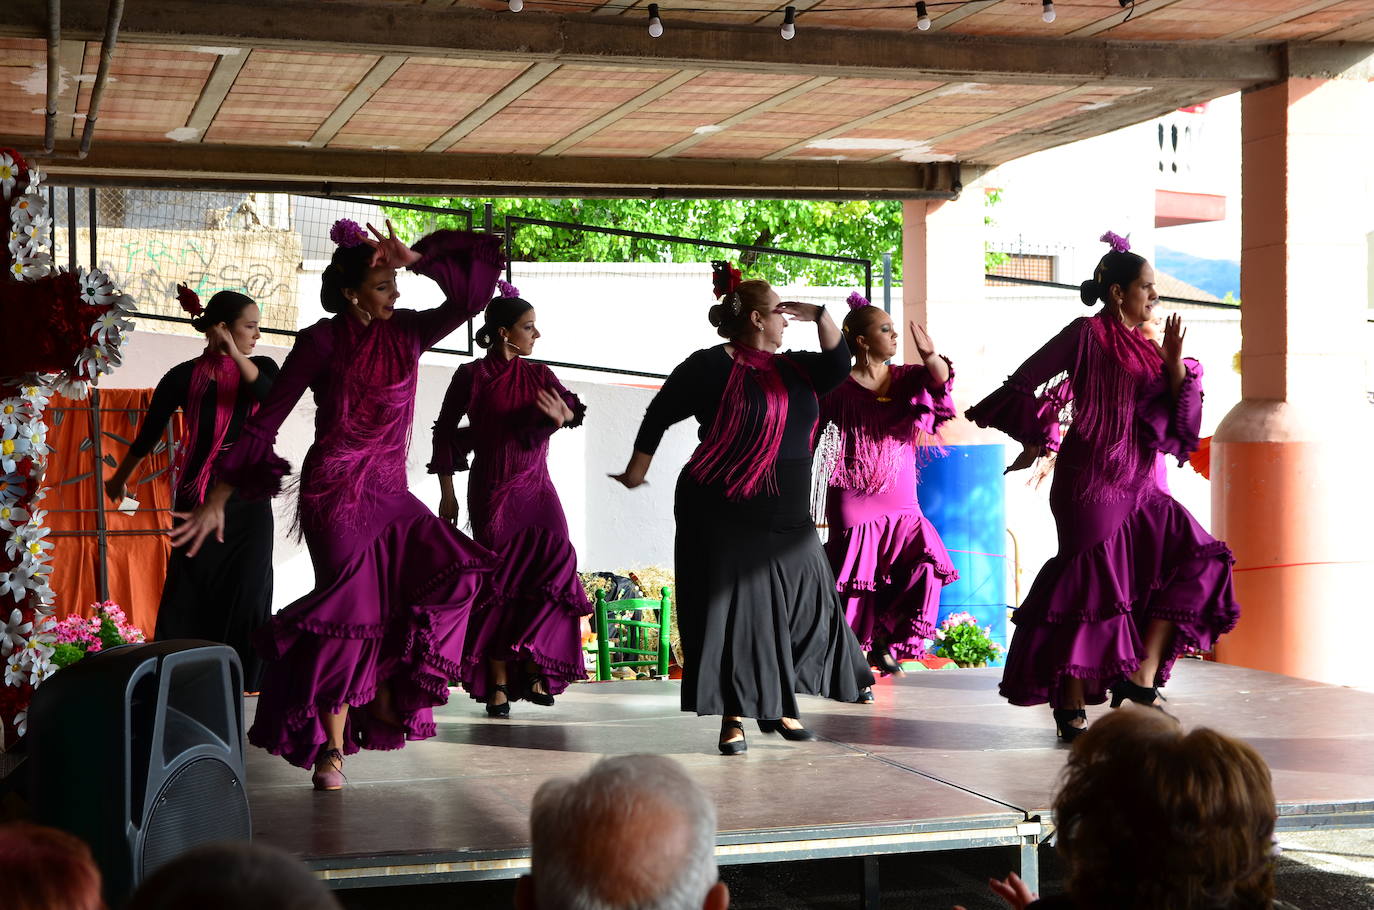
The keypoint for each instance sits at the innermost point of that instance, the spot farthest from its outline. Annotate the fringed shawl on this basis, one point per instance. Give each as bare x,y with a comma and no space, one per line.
741,448
221,370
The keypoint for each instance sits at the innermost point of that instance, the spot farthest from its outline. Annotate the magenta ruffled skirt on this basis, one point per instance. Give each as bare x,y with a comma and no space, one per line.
890,565
532,614
1086,614
390,606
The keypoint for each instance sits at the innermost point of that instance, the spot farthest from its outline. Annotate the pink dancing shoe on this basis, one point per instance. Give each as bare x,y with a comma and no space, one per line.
332,776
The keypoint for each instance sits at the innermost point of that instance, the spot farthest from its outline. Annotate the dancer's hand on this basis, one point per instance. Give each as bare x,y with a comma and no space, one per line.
802,312
390,253
202,521
221,342
1172,346
924,346
448,509
628,479
115,488
553,406
1027,458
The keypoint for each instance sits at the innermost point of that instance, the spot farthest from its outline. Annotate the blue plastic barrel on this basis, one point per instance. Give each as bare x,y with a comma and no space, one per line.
963,495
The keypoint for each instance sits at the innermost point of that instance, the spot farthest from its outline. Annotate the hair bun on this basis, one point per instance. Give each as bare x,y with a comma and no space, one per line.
716,315
200,324
483,337
1089,291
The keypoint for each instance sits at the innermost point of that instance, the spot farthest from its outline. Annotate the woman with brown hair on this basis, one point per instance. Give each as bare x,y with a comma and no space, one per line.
1149,816
757,608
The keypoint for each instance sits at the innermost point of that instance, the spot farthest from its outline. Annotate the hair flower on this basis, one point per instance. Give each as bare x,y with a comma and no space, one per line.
857,301
347,232
1116,242
724,278
505,289
189,300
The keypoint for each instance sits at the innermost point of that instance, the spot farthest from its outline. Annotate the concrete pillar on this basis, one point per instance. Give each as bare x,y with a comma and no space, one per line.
942,260
1291,487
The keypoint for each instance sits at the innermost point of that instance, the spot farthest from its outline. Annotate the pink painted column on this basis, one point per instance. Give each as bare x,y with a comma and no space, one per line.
1291,477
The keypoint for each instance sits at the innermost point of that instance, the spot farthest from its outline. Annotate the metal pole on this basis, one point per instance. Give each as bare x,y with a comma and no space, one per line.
487,219
92,219
868,278
102,541
887,282
71,229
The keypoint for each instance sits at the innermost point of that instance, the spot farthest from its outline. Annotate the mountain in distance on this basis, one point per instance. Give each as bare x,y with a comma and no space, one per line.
1216,276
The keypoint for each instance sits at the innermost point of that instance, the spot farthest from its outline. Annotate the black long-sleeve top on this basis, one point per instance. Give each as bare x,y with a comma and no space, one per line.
696,386
173,391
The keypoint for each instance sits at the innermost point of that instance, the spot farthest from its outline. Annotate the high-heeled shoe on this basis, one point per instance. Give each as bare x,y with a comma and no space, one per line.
1064,726
791,734
865,696
332,776
539,698
885,662
503,709
734,746
1124,690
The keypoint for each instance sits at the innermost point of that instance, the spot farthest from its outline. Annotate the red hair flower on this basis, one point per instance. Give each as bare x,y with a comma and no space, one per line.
189,300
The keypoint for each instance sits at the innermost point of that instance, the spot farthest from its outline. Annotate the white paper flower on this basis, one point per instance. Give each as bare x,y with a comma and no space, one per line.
28,545
73,387
20,245
21,722
110,328
13,632
36,229
34,265
12,517
9,174
37,432
96,287
96,359
36,395
28,205
16,582
16,674
14,410
14,446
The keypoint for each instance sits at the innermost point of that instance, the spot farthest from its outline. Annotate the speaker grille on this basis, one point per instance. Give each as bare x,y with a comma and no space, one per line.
201,803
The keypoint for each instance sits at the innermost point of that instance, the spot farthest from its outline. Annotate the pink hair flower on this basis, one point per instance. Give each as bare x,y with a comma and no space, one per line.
856,300
347,232
1116,242
505,289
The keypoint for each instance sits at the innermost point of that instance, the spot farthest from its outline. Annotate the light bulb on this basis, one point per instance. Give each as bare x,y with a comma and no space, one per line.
515,5
1048,14
922,17
655,24
789,23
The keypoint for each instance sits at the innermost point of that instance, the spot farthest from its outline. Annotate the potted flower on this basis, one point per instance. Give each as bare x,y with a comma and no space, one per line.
77,636
963,641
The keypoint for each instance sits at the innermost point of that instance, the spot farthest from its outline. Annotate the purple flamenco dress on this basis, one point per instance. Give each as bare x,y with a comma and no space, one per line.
535,603
394,585
1128,552
889,561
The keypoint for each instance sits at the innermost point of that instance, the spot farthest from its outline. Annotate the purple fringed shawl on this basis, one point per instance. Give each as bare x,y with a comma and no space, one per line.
870,439
362,457
1114,363
733,453
224,373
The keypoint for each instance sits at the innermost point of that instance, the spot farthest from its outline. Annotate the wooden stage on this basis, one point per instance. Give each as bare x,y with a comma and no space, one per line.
939,762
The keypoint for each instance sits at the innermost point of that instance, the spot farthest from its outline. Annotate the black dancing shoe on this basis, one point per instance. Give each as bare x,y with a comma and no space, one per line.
885,662
1124,690
503,709
539,698
734,746
1064,726
797,735
865,696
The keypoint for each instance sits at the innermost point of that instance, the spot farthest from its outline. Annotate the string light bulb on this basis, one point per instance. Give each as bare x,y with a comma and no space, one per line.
515,6
655,23
922,17
1047,13
789,23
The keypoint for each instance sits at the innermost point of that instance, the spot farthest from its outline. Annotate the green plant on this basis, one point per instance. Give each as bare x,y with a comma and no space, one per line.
963,641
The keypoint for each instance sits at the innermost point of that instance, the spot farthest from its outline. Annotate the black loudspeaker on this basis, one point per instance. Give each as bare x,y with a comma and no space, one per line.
138,751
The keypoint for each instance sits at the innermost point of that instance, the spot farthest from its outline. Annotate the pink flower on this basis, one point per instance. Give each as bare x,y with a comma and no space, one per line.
856,301
347,232
506,289
1116,242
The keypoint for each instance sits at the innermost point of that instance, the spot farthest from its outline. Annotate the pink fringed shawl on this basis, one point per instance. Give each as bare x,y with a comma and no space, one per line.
1114,362
362,457
224,373
741,448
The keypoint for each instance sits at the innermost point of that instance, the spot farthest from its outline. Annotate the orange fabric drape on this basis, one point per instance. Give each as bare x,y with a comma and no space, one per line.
137,563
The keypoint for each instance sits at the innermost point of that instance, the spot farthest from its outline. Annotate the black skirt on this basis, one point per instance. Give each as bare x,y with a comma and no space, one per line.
224,592
756,602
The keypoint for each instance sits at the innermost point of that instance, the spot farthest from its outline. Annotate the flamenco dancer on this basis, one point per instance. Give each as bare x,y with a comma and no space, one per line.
889,562
224,593
757,608
525,641
1136,579
360,661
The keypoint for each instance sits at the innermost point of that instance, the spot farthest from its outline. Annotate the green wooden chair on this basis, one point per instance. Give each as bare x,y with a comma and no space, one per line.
632,639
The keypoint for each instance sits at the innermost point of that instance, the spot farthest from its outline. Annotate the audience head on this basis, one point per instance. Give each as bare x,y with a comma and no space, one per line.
1149,816
233,876
47,869
633,832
